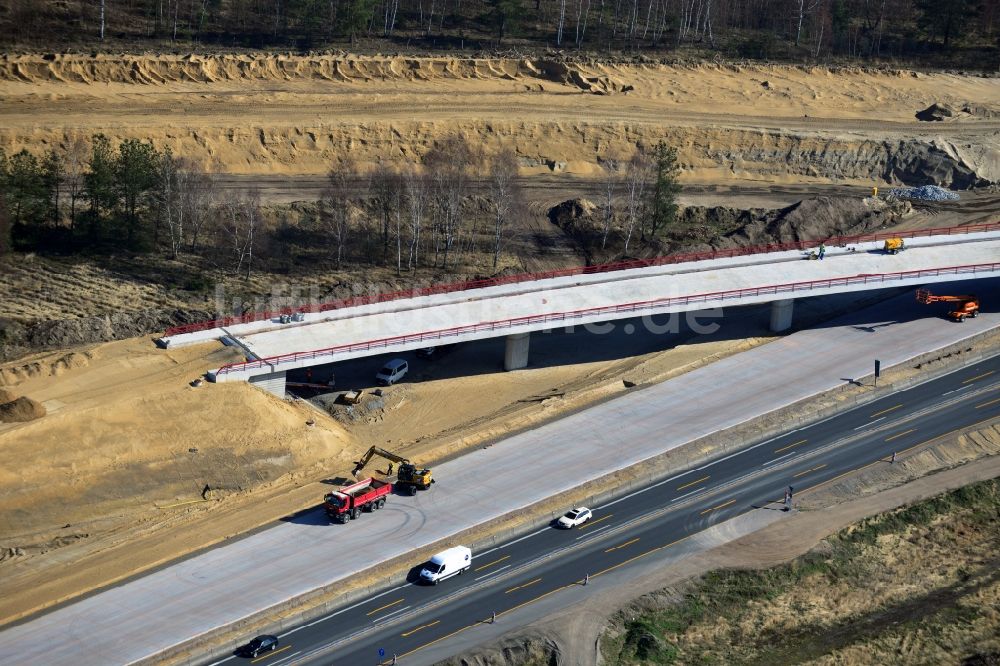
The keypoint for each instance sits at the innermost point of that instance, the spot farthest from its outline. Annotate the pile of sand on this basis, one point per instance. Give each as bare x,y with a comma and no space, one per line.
126,434
165,69
20,410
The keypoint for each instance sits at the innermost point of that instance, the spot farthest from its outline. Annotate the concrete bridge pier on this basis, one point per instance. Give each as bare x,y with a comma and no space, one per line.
516,355
273,382
781,314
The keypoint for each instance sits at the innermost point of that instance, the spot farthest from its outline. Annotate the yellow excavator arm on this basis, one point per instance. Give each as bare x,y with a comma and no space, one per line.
376,451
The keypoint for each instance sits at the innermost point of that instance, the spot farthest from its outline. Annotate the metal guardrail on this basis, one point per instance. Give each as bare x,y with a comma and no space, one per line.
579,270
561,317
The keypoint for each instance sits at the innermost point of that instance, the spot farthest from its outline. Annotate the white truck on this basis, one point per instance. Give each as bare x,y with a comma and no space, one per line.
446,564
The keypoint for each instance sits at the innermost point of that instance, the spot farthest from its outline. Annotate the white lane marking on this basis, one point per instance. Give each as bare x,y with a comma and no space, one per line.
222,661
289,633
275,663
382,617
639,492
862,427
360,603
696,490
771,462
766,441
491,574
511,543
584,536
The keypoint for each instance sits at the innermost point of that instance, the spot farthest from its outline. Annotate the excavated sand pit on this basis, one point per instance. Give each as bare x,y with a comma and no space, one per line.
299,115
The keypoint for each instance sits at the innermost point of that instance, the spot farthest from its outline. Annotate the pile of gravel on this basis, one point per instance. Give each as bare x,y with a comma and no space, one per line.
925,193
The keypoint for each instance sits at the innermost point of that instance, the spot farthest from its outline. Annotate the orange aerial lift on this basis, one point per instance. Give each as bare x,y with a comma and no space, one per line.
968,306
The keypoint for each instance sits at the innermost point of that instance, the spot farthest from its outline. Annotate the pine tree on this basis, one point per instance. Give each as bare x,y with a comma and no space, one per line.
663,204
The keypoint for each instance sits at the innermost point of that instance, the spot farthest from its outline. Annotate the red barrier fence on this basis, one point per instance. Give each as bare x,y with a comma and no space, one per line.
564,317
579,270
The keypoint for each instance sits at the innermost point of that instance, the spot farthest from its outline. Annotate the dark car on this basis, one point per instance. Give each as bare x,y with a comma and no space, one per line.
436,352
263,643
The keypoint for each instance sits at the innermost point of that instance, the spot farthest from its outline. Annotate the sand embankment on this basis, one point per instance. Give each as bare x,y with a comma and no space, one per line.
268,114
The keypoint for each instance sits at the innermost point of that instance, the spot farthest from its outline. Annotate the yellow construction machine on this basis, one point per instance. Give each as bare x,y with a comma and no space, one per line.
893,245
407,474
968,305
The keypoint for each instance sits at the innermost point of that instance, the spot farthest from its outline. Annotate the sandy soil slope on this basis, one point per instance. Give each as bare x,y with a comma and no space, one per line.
300,115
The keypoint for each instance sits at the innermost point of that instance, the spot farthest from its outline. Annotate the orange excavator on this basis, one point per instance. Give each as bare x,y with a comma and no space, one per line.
968,306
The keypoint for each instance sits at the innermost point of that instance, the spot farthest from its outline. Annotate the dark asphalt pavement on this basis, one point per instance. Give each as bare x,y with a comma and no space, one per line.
406,619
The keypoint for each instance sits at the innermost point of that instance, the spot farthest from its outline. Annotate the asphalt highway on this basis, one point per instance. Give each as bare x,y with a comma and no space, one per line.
407,620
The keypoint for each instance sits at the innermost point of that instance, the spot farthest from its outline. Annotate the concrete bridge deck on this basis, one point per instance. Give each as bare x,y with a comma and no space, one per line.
520,308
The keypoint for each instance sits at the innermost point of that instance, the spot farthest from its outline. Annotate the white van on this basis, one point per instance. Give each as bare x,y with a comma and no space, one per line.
392,372
446,564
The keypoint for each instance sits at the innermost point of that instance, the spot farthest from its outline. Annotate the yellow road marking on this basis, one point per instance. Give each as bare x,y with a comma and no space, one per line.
640,555
505,557
397,601
785,448
898,453
809,470
900,434
437,640
886,411
423,626
985,374
659,548
627,543
270,654
693,483
521,587
546,594
591,523
987,403
715,508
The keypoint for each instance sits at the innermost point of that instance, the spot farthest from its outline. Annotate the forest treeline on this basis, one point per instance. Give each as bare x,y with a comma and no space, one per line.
949,31
458,205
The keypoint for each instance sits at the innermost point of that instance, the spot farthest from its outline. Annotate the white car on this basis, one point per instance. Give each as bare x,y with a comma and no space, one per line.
575,517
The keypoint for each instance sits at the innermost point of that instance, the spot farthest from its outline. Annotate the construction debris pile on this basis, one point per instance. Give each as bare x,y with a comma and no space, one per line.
925,193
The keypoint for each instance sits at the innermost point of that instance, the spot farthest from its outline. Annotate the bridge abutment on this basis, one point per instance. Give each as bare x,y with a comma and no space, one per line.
781,314
516,355
272,383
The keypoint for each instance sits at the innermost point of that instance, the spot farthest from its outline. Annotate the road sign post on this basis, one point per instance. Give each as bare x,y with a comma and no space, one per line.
878,370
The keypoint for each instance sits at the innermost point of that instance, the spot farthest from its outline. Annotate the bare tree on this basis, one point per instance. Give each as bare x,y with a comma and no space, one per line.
450,163
505,196
383,186
335,208
584,14
240,219
75,161
197,190
637,175
807,7
416,206
170,212
185,198
562,22
102,20
612,181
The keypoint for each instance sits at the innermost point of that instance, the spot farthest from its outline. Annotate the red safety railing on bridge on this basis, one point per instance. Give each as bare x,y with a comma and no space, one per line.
563,317
578,270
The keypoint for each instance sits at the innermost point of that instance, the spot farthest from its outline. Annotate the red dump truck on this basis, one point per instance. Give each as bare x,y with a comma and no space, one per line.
348,502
